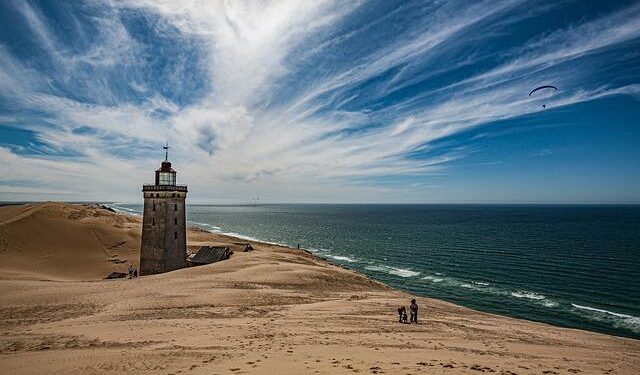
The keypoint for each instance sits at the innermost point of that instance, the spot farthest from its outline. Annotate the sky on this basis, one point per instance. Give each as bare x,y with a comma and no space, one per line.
321,101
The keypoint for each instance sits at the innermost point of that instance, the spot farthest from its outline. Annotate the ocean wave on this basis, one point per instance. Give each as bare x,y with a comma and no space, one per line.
480,283
343,258
528,295
618,315
317,250
249,238
433,279
402,272
210,227
487,288
376,268
123,210
614,318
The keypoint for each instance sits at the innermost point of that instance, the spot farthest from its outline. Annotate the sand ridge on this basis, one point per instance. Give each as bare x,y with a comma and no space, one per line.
274,310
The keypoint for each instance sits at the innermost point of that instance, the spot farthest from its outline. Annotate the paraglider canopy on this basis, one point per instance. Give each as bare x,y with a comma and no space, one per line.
543,87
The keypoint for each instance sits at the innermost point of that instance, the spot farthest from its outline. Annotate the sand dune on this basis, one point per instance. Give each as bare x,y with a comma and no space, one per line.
272,311
52,240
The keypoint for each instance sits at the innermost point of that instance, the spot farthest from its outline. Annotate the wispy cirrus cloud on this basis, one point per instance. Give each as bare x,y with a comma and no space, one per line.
288,100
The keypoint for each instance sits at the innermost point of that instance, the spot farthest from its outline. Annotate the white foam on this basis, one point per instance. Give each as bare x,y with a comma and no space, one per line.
403,272
433,279
123,210
343,258
376,268
548,303
249,238
393,271
619,315
528,295
205,225
616,319
480,283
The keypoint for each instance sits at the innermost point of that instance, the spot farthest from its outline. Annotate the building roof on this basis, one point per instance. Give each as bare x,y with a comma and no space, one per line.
210,254
165,167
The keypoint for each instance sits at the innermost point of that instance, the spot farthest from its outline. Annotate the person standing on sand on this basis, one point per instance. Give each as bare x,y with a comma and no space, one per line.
402,313
414,311
130,270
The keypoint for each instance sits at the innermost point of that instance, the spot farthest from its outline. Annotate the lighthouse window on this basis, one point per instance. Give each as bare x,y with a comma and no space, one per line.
154,221
173,195
175,220
157,195
175,234
154,206
175,207
167,178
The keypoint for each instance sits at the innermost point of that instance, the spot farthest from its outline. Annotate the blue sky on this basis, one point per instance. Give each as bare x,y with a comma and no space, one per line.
322,101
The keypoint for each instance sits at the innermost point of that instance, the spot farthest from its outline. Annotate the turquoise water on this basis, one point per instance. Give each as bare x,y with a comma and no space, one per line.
572,266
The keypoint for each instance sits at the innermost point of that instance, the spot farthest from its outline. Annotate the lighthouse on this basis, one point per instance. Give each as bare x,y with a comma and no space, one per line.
164,237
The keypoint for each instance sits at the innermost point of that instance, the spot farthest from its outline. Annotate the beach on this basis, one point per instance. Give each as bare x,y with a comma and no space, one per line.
273,310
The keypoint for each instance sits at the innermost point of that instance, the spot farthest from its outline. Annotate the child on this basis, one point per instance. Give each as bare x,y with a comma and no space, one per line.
402,313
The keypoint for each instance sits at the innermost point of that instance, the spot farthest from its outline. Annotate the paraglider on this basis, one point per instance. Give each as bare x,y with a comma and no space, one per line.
542,88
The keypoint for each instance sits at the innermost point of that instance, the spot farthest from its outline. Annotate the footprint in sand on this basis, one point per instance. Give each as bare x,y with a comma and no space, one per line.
424,364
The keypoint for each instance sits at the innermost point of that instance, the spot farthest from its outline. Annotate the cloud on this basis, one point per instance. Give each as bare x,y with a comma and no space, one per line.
293,99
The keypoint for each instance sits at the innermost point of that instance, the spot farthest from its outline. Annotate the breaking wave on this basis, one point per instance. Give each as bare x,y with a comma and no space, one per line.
616,319
528,295
433,279
343,258
402,272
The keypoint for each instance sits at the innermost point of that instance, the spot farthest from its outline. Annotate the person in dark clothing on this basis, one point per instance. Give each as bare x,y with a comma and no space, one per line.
414,311
402,314
135,272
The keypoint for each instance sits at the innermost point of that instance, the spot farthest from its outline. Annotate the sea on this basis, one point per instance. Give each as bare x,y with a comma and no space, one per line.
574,266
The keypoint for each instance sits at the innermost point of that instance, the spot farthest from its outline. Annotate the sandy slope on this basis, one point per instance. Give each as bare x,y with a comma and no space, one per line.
271,311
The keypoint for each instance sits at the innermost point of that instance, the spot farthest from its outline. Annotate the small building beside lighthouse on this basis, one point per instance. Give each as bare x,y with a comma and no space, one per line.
164,236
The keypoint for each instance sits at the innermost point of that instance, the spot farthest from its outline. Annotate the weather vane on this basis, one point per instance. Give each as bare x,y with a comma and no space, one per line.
166,151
